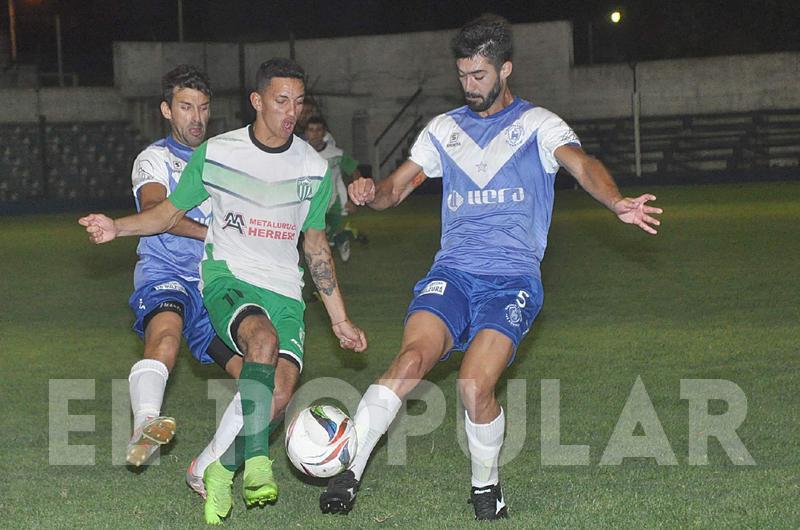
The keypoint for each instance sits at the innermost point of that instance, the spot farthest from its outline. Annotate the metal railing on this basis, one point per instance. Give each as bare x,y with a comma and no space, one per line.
377,161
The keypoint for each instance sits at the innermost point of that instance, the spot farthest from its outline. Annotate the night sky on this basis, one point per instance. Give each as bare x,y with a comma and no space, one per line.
654,29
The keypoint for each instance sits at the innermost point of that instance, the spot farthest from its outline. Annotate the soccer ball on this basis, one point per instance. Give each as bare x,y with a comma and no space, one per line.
321,441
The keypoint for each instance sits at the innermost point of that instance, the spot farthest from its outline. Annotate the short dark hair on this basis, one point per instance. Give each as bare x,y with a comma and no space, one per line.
184,76
317,119
488,35
278,67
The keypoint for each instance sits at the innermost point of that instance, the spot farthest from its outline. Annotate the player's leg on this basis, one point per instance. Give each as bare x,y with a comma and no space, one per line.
159,320
228,443
425,339
230,423
217,478
484,362
506,309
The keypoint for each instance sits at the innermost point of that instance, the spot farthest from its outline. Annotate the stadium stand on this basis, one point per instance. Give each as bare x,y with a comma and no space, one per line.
750,144
66,162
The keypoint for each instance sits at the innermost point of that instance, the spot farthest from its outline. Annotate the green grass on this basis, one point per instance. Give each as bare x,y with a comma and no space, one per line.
713,296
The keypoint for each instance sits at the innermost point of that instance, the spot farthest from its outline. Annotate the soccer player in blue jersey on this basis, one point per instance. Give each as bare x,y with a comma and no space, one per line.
497,158
166,300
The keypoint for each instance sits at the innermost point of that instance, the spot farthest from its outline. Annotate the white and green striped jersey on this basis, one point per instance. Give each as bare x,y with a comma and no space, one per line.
261,198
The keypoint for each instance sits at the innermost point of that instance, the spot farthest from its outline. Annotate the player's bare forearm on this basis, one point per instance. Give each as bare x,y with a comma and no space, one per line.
388,192
590,173
156,220
187,227
319,260
593,176
152,194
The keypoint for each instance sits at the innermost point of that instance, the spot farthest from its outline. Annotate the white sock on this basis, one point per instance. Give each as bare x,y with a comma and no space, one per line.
485,441
376,411
146,384
229,426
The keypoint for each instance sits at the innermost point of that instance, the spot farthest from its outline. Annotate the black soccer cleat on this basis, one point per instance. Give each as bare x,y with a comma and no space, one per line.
340,494
488,503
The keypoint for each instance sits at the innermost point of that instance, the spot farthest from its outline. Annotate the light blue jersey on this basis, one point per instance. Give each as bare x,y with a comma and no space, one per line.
166,255
497,179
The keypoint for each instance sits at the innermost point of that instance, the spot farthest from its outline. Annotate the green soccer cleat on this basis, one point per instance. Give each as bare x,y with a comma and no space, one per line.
148,437
219,499
259,484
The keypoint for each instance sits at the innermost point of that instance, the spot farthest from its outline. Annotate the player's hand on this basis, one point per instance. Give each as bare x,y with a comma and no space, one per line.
637,212
361,191
350,337
101,229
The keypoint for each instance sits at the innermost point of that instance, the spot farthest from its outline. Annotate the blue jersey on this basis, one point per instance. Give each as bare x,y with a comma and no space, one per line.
166,255
497,180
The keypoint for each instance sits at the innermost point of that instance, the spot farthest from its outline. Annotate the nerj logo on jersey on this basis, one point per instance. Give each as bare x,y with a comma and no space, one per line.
484,197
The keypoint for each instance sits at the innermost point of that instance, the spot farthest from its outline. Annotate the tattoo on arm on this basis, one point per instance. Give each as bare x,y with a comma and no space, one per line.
320,264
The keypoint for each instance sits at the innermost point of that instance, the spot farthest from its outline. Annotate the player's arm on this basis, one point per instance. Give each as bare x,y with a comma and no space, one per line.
152,194
318,256
593,177
390,191
158,219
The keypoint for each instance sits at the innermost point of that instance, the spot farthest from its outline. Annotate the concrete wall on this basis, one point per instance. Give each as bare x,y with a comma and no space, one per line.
367,79
710,85
63,105
138,66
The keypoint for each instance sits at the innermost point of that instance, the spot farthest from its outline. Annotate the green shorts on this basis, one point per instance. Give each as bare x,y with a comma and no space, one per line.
226,296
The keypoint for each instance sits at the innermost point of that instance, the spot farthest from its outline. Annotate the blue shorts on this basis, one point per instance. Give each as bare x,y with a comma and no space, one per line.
164,294
468,303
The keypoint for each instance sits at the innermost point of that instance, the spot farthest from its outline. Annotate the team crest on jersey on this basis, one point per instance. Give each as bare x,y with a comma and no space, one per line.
177,165
455,140
304,188
234,220
514,134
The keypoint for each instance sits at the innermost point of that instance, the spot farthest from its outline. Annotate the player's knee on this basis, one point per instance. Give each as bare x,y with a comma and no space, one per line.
408,365
259,344
474,391
261,348
163,347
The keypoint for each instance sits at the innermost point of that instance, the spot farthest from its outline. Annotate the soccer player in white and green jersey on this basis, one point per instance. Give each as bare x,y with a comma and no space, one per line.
265,186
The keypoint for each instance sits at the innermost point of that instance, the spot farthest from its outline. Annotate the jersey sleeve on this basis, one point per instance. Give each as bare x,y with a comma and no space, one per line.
425,154
319,205
190,190
553,133
347,164
149,167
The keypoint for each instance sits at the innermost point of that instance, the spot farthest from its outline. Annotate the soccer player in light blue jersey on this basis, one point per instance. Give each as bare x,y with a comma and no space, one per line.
166,300
497,158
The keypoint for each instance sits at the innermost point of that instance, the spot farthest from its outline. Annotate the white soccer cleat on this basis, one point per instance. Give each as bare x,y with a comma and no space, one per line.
153,433
195,481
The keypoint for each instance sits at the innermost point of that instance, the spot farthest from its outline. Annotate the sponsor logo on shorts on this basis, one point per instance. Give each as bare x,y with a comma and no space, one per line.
514,134
234,220
170,286
434,287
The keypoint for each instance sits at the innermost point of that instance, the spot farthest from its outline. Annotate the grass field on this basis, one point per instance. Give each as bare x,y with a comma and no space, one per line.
714,296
